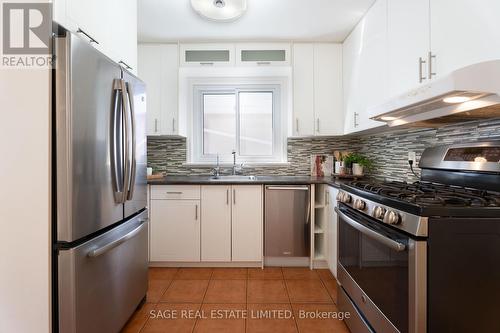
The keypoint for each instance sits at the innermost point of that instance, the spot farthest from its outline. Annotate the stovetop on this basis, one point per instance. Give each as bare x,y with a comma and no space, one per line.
429,199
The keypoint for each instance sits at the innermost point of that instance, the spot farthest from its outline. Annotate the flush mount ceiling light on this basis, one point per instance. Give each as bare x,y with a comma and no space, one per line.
220,10
456,99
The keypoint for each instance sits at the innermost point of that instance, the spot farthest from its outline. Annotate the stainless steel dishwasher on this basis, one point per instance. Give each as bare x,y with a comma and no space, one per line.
287,225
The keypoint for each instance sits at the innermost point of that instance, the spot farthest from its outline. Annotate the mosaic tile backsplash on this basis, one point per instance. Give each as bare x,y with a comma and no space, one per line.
389,151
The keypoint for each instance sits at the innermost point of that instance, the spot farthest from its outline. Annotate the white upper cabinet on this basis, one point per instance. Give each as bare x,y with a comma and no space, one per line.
263,54
110,26
317,89
365,68
123,36
159,68
303,89
207,55
408,44
328,112
464,32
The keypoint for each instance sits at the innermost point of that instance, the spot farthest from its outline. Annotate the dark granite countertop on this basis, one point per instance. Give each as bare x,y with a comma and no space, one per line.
266,180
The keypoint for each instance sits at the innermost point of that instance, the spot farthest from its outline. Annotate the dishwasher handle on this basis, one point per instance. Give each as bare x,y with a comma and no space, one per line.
288,188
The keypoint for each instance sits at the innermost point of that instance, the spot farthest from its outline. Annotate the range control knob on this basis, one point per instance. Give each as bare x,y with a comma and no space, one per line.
391,217
359,204
347,198
378,212
344,197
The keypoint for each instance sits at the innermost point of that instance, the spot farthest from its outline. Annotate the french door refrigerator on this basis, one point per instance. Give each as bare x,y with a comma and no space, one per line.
100,224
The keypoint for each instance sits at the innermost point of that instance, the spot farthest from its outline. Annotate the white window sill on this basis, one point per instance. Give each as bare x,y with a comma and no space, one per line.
230,165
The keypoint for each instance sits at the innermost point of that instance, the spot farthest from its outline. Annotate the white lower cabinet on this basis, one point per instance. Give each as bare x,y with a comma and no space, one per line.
332,220
247,220
175,230
216,223
210,223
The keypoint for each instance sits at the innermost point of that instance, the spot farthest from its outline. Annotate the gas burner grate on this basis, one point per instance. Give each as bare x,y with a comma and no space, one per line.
431,194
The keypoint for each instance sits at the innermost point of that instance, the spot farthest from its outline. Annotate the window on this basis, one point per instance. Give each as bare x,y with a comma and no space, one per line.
244,119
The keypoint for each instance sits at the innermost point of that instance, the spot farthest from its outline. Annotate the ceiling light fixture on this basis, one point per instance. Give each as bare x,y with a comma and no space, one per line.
220,10
388,118
456,99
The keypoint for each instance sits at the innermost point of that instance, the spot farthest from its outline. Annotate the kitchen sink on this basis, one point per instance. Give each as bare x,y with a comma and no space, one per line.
233,178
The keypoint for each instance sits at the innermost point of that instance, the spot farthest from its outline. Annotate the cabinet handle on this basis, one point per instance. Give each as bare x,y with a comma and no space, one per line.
317,125
327,195
173,124
92,40
227,197
174,192
421,62
196,212
297,125
124,64
206,63
156,125
260,63
234,197
431,57
356,119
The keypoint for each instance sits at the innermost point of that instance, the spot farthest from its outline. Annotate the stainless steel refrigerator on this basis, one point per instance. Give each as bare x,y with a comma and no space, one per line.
99,175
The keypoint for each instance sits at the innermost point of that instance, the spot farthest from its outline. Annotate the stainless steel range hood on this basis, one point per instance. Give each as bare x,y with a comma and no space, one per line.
470,93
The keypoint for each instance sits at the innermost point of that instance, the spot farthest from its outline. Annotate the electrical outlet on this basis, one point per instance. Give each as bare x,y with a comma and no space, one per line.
412,156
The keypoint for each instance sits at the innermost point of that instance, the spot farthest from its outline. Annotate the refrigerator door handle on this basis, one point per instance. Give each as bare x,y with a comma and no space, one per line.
126,130
117,144
111,245
130,189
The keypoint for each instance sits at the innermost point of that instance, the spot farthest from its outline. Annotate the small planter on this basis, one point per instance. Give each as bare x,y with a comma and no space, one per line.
357,169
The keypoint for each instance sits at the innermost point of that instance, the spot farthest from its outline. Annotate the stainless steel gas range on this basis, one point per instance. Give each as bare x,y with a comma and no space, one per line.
424,257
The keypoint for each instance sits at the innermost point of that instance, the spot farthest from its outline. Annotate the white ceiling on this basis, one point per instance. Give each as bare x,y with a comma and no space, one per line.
300,20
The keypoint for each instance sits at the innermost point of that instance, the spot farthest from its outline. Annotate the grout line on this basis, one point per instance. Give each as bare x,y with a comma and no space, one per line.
147,318
203,300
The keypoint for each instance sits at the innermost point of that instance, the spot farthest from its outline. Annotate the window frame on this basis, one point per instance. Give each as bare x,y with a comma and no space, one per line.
197,155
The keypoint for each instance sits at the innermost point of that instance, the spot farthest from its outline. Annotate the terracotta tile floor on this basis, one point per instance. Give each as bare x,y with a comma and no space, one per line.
237,300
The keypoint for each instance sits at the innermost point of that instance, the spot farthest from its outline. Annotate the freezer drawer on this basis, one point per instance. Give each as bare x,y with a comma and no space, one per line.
102,281
287,228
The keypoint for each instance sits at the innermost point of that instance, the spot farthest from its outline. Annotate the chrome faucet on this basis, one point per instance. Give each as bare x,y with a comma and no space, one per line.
235,168
216,170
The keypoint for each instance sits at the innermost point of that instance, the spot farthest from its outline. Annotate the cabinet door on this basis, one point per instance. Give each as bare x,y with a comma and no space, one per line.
247,217
262,54
149,64
169,71
207,55
332,229
463,33
303,89
175,230
91,18
328,111
216,223
122,34
408,40
158,67
365,68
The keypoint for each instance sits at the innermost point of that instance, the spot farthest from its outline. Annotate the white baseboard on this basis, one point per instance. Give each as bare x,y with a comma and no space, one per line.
238,264
287,261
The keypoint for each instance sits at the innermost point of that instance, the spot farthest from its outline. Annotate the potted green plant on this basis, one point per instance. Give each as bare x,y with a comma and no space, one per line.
358,163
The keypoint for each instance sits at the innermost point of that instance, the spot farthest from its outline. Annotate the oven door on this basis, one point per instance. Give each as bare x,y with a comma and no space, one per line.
383,271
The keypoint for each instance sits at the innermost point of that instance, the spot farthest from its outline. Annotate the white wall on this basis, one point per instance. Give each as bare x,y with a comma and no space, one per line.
24,201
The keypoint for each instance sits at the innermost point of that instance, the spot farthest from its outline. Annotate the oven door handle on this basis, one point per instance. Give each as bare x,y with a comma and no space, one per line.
396,246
